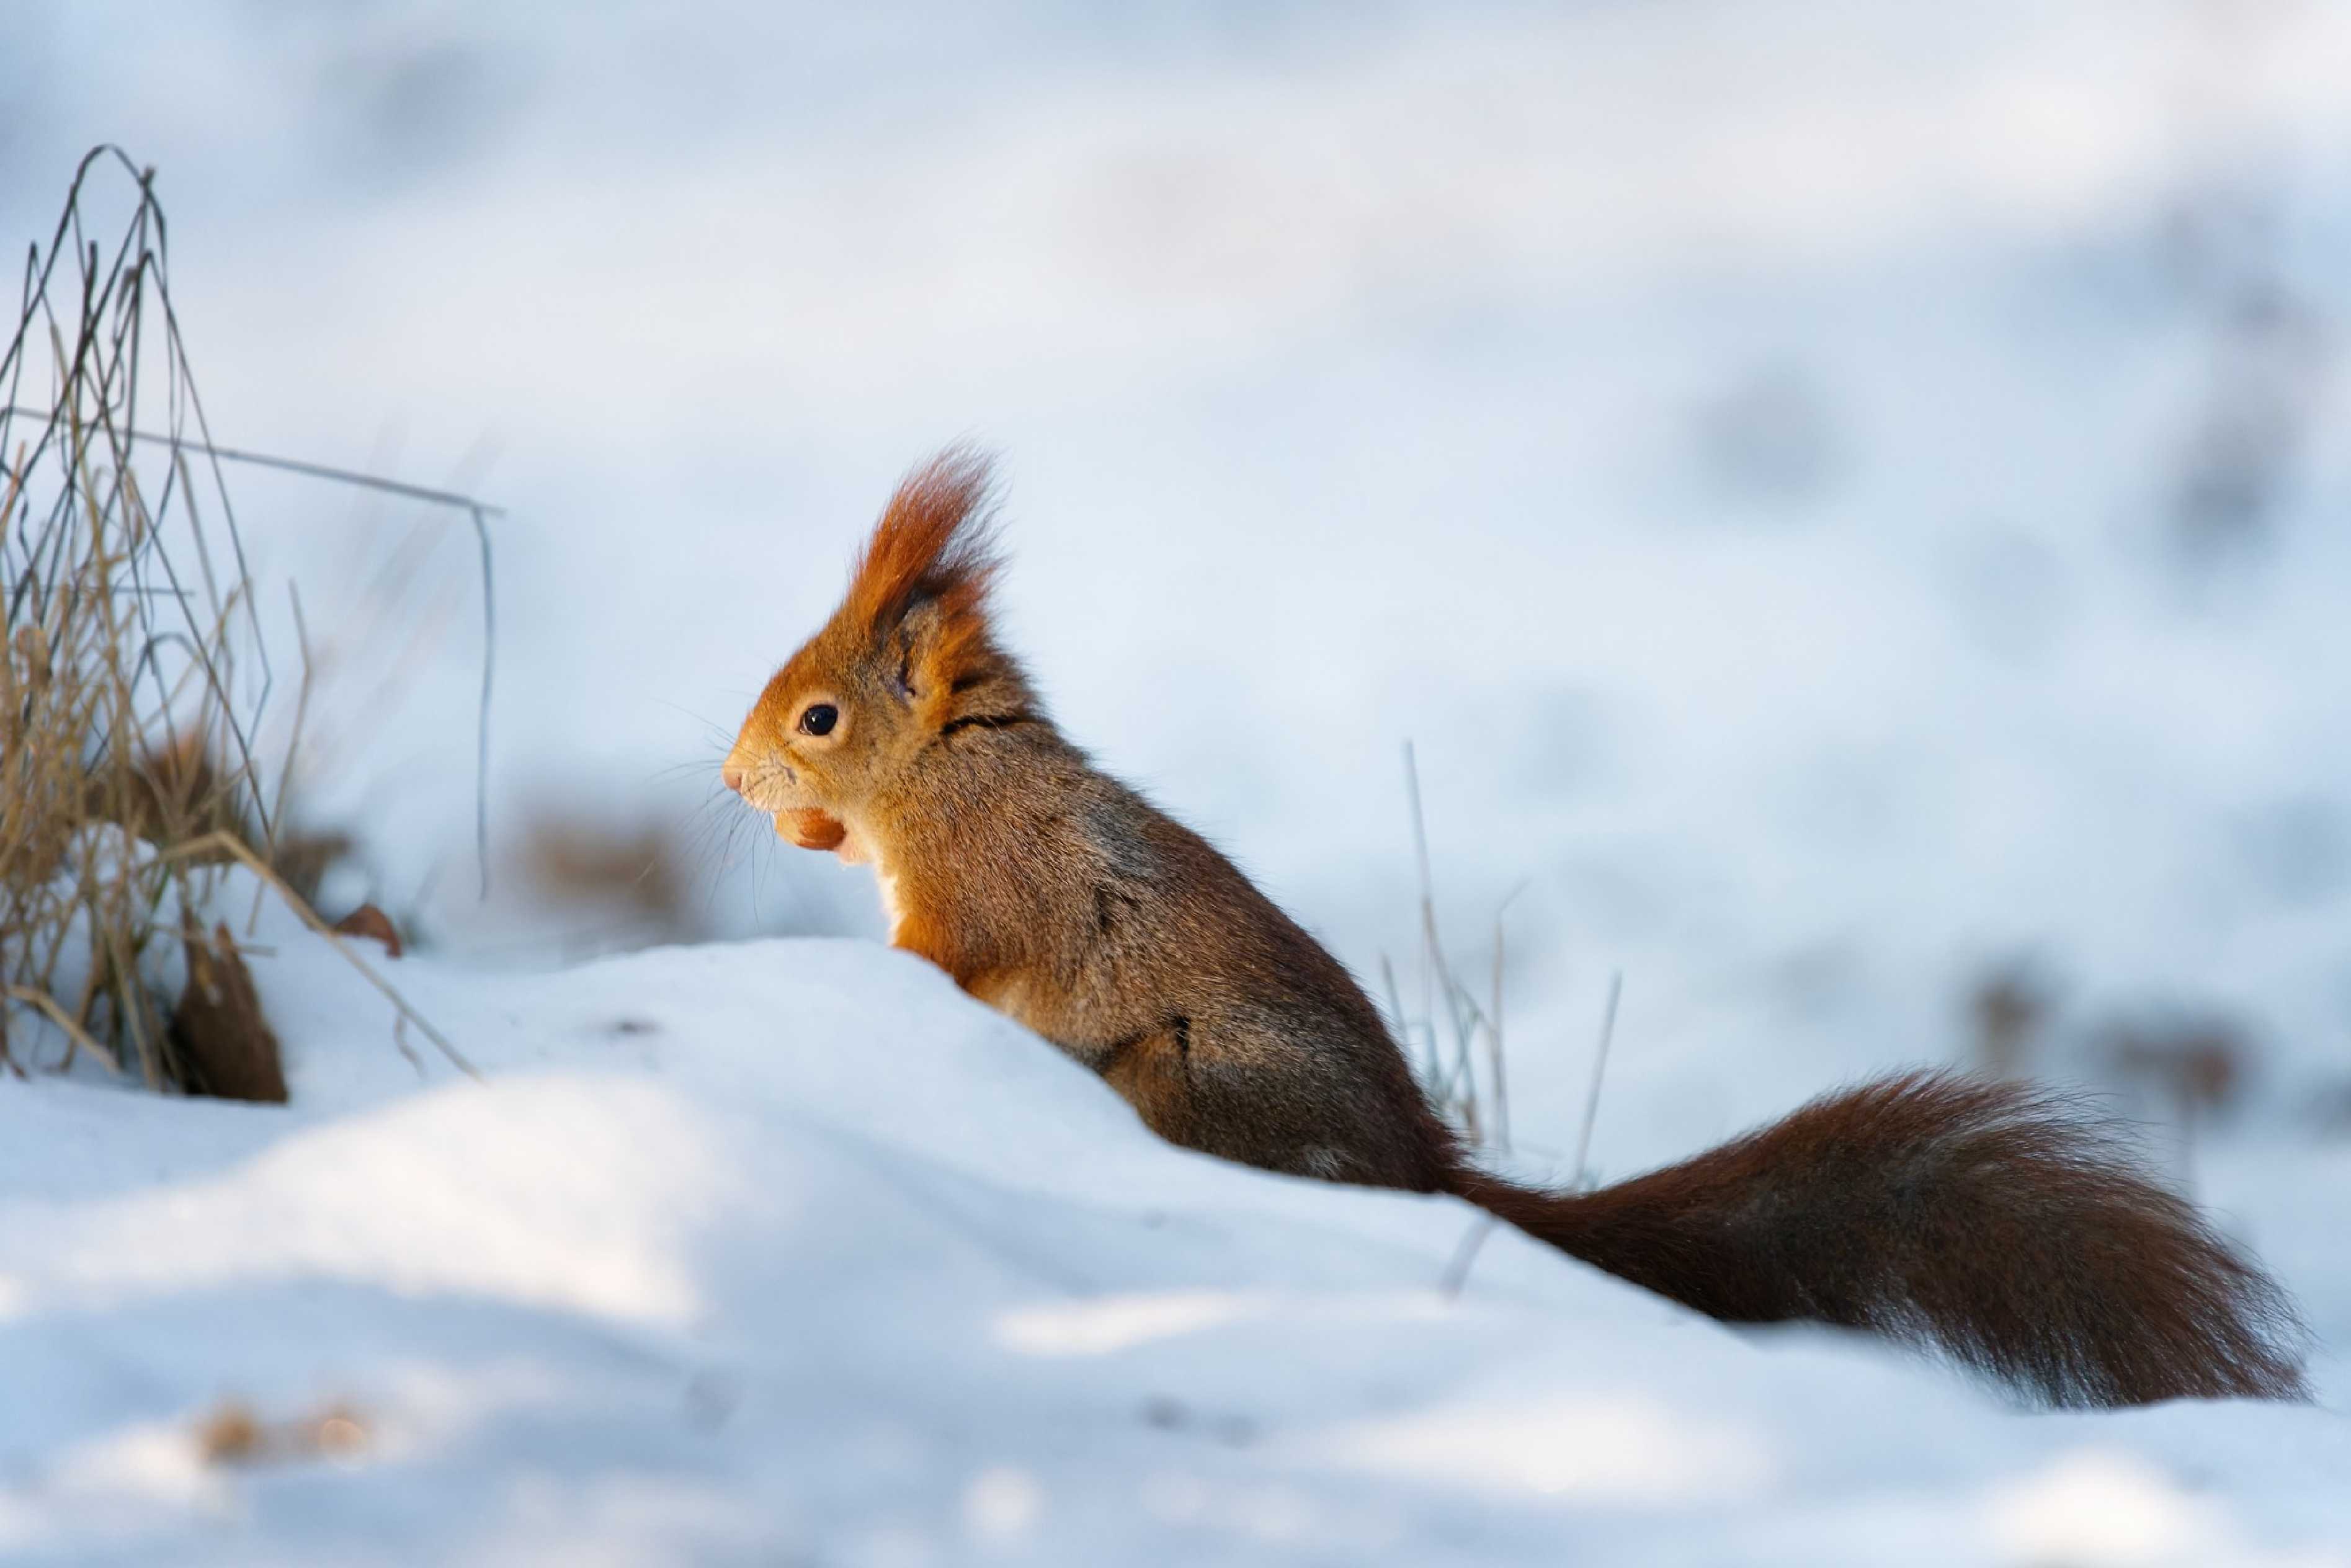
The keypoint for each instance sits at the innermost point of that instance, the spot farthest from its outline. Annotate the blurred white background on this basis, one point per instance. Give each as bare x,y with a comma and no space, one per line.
1847,500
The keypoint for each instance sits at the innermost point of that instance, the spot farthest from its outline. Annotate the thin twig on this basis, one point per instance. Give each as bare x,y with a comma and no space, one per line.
293,738
1465,1254
399,1039
1396,1005
482,715
1494,1027
1599,1066
1427,904
1437,972
1494,1047
295,465
47,1004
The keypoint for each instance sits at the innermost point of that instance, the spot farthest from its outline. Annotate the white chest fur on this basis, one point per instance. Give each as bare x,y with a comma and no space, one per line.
854,850
892,914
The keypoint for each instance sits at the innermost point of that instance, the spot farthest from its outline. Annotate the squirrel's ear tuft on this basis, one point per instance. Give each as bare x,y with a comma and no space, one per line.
935,546
919,598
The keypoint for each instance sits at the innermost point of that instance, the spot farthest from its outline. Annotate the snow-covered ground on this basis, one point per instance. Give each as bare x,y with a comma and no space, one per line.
787,1252
1747,445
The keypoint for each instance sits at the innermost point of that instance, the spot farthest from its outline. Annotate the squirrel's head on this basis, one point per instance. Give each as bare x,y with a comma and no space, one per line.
906,661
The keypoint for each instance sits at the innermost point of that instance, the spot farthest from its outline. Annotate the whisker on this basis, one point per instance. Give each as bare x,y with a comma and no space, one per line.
705,720
713,828
759,913
676,769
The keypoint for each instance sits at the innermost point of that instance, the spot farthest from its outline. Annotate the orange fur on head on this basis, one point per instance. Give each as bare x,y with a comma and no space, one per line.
922,577
905,662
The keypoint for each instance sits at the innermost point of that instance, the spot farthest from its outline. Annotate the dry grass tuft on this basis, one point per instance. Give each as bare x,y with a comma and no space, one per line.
133,680
1454,1021
138,694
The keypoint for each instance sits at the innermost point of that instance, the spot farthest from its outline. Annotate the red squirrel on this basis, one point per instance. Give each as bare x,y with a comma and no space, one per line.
1979,1219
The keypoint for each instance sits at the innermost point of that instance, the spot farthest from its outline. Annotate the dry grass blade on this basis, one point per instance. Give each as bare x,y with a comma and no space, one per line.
47,1004
1599,1068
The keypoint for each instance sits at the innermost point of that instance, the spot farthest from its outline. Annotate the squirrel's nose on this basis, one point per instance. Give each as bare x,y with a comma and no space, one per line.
733,775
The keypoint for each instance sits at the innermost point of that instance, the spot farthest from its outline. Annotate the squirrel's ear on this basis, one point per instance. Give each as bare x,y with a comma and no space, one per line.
920,591
915,648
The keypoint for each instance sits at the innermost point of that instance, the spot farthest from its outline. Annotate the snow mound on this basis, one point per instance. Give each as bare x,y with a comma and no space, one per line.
788,1252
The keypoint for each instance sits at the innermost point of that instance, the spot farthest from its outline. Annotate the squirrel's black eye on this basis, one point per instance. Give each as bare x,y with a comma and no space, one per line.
819,719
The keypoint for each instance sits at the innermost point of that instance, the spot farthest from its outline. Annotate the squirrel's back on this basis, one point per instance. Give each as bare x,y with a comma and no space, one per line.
1135,946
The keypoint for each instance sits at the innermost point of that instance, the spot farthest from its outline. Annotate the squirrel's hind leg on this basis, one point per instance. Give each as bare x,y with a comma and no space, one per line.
1212,1085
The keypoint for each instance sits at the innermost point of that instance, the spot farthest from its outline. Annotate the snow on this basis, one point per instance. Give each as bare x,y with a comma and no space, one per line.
1735,441
787,1252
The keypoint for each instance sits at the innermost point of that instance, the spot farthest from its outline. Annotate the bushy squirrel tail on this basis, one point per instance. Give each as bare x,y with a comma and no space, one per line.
1985,1221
